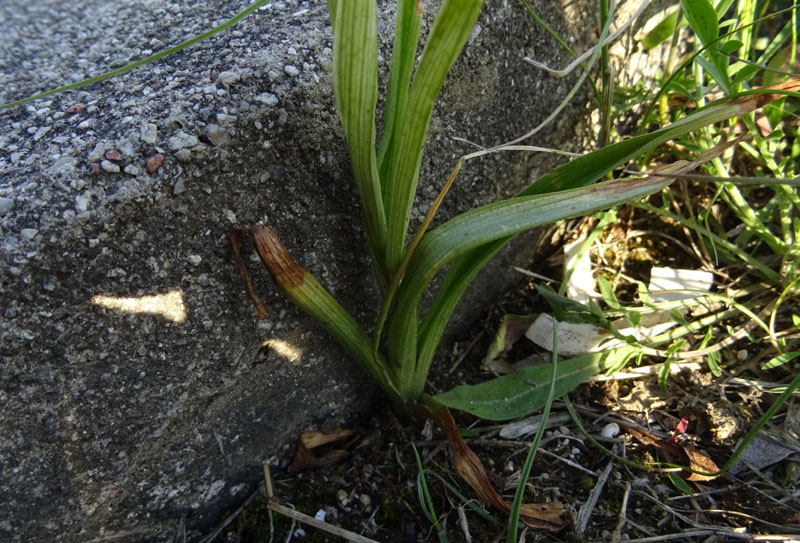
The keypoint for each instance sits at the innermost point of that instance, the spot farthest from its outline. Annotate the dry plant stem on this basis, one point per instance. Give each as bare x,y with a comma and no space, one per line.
578,61
311,521
218,530
616,535
586,511
546,516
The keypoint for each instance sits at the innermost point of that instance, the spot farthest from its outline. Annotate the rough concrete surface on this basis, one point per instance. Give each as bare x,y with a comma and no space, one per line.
134,422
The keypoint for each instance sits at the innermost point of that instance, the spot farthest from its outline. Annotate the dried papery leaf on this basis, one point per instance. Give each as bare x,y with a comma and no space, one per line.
315,439
238,263
548,516
304,459
677,453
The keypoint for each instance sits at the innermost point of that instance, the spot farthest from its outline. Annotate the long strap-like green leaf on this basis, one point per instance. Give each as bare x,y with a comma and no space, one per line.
446,40
404,55
355,86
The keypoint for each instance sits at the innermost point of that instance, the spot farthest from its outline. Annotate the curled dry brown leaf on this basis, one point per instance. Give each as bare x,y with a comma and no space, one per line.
701,466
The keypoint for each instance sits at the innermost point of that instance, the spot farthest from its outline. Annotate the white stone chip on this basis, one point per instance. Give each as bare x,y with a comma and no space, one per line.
291,71
228,78
109,166
149,133
6,205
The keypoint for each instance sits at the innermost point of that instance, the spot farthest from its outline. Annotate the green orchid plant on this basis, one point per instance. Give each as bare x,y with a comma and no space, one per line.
399,350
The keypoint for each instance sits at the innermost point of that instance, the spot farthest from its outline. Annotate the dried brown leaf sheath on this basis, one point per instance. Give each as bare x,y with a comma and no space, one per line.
687,455
283,269
548,516
236,242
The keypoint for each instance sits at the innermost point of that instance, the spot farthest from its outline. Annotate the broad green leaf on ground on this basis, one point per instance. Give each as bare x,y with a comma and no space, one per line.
521,393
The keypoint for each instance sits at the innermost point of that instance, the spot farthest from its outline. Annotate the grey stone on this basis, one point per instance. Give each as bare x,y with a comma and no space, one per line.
223,118
217,135
6,205
151,396
181,140
179,187
41,132
183,155
28,233
149,133
291,70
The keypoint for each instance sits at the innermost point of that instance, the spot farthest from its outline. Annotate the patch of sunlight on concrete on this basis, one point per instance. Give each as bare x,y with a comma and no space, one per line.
169,305
284,349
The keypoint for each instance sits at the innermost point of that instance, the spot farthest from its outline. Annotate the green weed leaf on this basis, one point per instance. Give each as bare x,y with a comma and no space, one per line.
703,19
661,32
608,292
521,393
780,360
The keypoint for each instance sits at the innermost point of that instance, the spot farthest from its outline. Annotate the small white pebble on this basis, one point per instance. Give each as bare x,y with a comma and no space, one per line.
575,451
365,500
742,355
320,516
291,70
194,260
109,166
342,496
610,430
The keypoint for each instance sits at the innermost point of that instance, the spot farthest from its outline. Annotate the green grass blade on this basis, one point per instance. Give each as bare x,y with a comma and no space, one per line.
147,60
513,518
446,40
355,86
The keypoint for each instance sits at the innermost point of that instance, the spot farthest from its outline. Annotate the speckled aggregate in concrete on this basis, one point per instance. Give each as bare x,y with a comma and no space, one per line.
136,424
